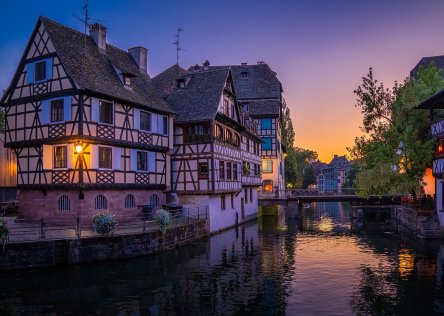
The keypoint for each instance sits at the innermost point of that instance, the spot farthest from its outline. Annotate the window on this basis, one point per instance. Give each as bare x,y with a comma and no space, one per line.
236,139
165,125
235,171
105,157
100,203
232,200
60,157
268,186
280,168
126,80
130,201
154,200
57,110
64,203
219,132
222,202
225,108
221,170
142,161
246,195
106,112
244,75
267,166
40,71
232,110
251,195
228,170
266,123
145,121
229,136
203,170
266,145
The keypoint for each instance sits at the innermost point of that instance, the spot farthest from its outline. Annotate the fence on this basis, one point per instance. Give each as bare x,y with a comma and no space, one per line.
31,230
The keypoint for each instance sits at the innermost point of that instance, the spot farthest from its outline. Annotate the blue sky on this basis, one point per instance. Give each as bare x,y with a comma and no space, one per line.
320,49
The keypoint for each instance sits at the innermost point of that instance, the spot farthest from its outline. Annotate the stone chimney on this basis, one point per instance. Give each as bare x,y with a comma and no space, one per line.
98,33
140,56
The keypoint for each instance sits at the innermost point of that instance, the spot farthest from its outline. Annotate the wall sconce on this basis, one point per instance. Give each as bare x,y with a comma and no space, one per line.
78,147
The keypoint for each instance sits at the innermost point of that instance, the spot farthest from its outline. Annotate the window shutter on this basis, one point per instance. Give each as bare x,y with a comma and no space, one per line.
94,156
136,119
117,154
45,112
154,128
133,160
94,109
151,161
67,108
160,124
70,156
30,73
47,157
48,68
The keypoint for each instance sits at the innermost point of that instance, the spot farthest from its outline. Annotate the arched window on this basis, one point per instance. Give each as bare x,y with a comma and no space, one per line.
130,201
64,203
101,203
154,200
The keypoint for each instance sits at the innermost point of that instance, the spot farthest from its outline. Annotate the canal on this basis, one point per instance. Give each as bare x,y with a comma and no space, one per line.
323,264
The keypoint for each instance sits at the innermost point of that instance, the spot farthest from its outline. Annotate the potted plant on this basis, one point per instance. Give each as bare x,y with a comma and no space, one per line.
163,219
104,224
246,169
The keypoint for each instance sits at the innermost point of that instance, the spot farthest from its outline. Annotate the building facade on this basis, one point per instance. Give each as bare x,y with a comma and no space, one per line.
331,177
88,129
216,159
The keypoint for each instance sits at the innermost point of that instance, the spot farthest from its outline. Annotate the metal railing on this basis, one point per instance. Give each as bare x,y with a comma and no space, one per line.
76,228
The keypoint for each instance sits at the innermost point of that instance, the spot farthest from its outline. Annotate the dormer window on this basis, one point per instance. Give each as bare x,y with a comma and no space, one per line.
244,75
181,83
126,80
124,77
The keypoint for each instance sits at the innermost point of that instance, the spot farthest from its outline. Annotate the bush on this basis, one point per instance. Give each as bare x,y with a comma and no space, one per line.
104,224
4,233
163,219
12,208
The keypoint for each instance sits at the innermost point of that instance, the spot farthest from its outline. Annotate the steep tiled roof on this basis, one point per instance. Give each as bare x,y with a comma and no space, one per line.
425,61
199,100
165,82
92,70
264,107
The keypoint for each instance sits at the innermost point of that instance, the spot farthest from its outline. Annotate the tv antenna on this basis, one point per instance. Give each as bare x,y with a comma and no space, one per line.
177,43
85,19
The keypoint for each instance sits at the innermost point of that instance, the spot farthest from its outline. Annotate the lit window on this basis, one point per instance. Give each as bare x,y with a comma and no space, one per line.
57,110
268,186
145,121
267,166
105,157
106,112
60,157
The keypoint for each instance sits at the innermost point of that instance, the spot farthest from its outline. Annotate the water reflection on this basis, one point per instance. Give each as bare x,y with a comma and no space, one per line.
319,264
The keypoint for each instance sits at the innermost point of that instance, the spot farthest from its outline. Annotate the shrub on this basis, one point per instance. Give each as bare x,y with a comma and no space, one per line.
4,234
104,224
163,219
12,208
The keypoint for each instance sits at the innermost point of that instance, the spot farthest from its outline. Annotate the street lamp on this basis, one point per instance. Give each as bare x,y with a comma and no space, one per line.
78,147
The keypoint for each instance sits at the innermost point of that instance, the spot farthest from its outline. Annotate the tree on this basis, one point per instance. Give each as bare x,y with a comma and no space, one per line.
396,149
309,177
287,126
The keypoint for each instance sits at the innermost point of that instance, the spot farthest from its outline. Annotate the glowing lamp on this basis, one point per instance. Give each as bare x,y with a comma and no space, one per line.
78,147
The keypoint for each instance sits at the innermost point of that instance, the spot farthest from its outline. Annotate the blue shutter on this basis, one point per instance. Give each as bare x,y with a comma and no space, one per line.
136,119
45,111
154,128
94,109
133,160
160,124
70,156
151,161
48,68
117,154
30,73
67,108
94,157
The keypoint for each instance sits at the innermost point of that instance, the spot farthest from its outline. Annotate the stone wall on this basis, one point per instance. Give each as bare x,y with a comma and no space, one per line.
50,253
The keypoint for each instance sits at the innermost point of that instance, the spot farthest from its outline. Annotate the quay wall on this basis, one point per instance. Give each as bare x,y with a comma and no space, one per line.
56,252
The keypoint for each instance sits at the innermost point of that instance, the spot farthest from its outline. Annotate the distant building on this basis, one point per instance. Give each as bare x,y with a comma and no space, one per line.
331,177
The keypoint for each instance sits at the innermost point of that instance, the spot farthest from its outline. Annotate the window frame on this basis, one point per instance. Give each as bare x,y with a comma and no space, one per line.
142,127
40,70
221,170
65,155
101,119
140,153
269,124
202,175
59,103
267,143
222,202
100,160
265,168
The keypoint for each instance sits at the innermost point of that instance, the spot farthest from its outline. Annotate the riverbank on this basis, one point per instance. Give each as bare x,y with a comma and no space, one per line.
45,253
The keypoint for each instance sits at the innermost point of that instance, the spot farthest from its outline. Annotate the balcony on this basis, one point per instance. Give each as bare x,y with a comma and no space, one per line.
438,128
438,166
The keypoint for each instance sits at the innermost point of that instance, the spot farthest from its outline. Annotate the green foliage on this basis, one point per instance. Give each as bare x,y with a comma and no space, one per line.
396,149
308,178
350,185
163,219
287,126
104,224
297,160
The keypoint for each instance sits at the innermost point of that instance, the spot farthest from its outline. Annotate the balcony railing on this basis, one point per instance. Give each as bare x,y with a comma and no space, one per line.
438,166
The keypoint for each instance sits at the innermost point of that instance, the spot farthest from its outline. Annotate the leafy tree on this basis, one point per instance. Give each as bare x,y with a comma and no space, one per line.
309,177
287,126
396,149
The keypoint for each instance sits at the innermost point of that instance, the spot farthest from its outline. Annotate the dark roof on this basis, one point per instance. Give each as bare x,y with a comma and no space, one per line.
425,61
436,101
264,107
92,70
165,82
199,100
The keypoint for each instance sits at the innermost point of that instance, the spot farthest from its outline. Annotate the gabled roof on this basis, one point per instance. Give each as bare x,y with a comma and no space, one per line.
199,99
264,107
165,82
93,71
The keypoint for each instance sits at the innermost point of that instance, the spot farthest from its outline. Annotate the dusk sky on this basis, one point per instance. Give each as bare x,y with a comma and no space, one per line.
319,49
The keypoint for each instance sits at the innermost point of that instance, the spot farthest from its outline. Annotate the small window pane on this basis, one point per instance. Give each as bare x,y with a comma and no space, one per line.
266,123
60,156
267,166
57,110
203,170
266,145
142,161
130,201
145,121
165,125
40,71
106,112
105,157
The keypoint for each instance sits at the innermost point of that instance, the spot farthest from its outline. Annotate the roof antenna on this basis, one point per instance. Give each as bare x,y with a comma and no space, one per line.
177,43
85,19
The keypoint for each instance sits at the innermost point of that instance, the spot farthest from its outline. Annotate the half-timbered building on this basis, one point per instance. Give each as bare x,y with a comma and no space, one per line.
88,128
216,159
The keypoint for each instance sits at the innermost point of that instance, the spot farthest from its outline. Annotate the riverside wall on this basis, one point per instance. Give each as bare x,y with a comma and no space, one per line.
58,252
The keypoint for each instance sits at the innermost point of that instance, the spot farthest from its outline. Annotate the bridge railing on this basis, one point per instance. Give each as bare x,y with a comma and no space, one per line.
311,192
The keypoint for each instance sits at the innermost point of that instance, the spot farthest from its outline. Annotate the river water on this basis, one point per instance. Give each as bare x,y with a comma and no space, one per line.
323,264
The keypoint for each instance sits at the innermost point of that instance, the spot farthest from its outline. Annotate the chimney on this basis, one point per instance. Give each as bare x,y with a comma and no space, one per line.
139,55
98,33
